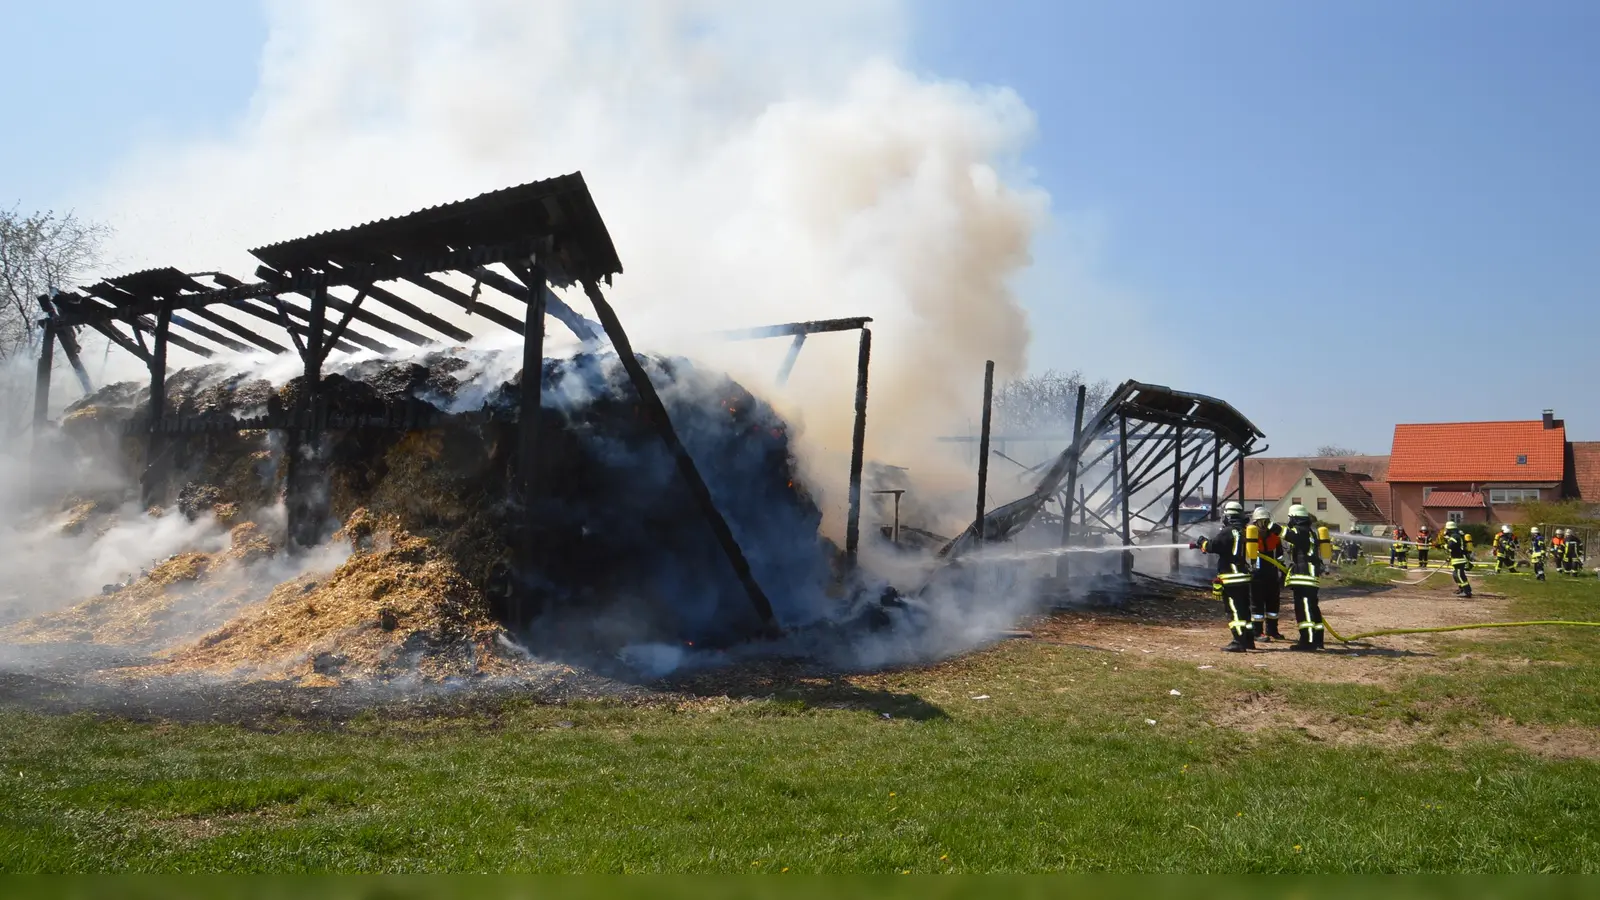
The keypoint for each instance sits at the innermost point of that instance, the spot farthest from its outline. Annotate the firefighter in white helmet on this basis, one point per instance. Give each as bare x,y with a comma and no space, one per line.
1458,546
1572,553
1233,570
1505,550
1266,577
1308,551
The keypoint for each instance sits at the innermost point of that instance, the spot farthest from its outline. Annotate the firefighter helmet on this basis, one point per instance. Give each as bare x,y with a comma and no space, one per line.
1298,511
1533,530
1233,512
1260,515
1505,529
1451,525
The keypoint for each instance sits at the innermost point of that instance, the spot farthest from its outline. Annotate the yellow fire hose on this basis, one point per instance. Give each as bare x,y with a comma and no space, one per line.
1370,634
1367,634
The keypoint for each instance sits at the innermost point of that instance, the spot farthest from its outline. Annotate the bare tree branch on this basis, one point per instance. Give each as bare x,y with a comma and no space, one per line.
39,252
1045,403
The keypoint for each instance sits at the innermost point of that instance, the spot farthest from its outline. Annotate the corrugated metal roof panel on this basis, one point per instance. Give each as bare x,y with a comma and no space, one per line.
559,207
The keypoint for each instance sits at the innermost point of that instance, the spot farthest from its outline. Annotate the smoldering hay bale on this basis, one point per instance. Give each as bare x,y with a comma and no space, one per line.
397,606
178,596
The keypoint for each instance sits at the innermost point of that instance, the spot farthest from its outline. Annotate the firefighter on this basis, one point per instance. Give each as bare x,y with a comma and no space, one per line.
1557,550
1458,547
1505,550
1536,552
1233,569
1424,542
1303,548
1401,548
1266,578
1572,555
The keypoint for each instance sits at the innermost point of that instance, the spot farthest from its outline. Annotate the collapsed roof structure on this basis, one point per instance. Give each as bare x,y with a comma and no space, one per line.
1152,437
326,292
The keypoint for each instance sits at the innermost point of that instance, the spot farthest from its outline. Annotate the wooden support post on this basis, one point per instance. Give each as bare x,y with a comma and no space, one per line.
306,480
1122,487
1072,482
154,481
41,384
1216,477
983,447
1177,491
533,278
858,441
680,454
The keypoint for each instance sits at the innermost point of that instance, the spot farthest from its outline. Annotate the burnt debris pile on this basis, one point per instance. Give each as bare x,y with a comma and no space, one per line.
620,551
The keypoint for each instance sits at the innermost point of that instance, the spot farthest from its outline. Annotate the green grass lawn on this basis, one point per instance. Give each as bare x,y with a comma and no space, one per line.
1058,770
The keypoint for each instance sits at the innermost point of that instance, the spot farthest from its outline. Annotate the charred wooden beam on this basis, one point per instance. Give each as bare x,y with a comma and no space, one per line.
41,383
209,335
983,447
1127,536
790,359
858,439
1072,480
229,325
795,328
121,340
398,304
288,317
680,454
69,344
528,420
353,309
153,481
355,274
418,314
465,301
586,330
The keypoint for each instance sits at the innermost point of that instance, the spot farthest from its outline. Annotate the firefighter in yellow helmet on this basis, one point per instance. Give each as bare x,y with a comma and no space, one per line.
1307,550
1233,569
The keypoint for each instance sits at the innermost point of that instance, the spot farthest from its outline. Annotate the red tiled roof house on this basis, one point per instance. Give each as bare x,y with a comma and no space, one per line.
1474,471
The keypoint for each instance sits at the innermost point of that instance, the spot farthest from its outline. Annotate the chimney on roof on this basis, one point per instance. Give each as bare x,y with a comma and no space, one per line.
1549,419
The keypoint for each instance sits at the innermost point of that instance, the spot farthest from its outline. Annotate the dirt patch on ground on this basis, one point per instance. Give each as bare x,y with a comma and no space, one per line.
1258,711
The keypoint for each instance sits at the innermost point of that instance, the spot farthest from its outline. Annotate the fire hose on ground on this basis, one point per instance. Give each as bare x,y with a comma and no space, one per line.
1435,629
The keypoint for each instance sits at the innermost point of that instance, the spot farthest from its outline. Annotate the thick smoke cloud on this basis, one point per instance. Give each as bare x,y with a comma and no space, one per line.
754,165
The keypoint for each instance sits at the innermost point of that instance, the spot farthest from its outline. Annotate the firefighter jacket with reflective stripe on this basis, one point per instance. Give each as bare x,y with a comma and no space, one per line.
1401,541
1300,544
1458,546
1536,547
1228,546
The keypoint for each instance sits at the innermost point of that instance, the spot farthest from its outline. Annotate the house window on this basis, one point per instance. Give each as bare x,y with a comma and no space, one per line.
1503,496
1426,493
1456,516
1322,504
1522,459
1308,481
1294,501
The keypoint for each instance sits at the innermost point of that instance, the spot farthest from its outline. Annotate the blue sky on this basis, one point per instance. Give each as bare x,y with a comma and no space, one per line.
1338,216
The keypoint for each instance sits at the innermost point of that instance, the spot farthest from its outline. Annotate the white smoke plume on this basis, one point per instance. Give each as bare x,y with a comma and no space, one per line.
754,164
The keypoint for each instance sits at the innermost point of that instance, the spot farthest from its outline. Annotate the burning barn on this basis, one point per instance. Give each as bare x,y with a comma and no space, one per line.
611,495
